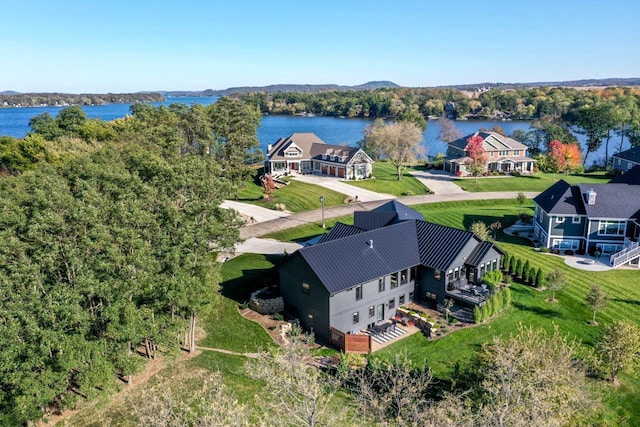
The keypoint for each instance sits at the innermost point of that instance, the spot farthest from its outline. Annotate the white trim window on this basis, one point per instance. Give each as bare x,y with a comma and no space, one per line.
611,228
559,219
566,244
609,248
576,220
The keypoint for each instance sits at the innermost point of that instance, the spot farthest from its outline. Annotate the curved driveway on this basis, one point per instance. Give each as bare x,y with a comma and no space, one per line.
314,217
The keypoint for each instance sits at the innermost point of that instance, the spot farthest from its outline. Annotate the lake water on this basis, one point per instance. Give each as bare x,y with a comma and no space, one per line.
334,130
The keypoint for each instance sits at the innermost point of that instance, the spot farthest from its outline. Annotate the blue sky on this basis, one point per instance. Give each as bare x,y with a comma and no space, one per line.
98,46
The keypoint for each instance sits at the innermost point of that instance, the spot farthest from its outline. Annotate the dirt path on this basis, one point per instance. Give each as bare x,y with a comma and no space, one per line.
234,353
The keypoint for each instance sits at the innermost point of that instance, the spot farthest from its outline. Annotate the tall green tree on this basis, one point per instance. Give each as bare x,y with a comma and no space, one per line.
594,123
236,146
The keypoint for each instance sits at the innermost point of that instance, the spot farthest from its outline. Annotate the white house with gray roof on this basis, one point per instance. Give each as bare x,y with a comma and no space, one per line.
305,153
503,154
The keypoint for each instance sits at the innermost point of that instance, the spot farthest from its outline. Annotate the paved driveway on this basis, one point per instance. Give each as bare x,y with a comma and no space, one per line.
259,214
437,181
336,184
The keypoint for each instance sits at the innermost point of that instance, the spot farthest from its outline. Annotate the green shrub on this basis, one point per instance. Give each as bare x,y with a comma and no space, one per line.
492,278
512,265
506,297
519,267
508,279
525,269
539,278
497,302
504,261
488,305
477,314
544,249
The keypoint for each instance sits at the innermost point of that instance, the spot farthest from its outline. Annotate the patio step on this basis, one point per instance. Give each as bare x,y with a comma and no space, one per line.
463,315
383,337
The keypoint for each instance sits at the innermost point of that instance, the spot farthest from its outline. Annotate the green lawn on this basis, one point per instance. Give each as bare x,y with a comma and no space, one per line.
538,182
296,197
386,181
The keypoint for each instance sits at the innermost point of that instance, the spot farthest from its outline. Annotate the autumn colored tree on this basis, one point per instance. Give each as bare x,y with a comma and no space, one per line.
477,157
563,157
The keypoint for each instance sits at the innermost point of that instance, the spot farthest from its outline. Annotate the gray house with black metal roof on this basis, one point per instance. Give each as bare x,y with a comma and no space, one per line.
593,218
357,276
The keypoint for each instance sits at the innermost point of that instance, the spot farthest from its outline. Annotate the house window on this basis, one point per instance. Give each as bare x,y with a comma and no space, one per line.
306,288
609,248
381,284
394,280
450,275
372,311
491,154
611,228
565,244
404,277
356,317
437,274
292,154
559,220
358,293
576,220
392,303
516,152
401,299
410,296
495,264
456,273
413,274
431,296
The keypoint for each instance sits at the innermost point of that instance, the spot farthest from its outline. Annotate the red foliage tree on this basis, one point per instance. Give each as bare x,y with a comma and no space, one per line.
563,157
475,152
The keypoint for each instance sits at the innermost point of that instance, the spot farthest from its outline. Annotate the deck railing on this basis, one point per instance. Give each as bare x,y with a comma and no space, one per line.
629,253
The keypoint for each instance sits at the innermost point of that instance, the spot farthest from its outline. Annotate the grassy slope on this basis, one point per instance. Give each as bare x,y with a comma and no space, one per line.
386,181
538,182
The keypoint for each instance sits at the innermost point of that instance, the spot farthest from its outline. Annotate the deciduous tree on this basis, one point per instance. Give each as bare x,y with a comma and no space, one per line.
531,378
400,143
448,131
556,280
619,348
596,299
477,156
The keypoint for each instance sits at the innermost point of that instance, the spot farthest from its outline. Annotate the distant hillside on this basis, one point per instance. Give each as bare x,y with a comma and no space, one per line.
585,83
283,88
9,92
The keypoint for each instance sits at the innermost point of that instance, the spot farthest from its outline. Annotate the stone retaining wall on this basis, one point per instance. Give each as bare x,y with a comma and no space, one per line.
264,305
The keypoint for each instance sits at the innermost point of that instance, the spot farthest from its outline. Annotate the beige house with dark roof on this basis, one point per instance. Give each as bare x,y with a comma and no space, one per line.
503,154
305,153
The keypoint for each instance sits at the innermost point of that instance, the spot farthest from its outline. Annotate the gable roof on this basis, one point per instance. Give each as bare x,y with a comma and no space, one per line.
630,177
491,141
561,199
632,155
620,201
340,230
343,263
312,147
439,244
391,212
479,252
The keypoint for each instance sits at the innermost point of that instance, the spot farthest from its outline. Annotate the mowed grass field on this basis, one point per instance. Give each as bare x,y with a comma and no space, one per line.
385,180
538,182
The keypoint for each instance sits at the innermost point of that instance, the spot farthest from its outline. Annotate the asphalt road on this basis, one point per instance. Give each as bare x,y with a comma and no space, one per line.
315,216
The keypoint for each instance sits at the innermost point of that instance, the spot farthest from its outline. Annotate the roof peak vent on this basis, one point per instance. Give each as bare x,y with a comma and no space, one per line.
370,243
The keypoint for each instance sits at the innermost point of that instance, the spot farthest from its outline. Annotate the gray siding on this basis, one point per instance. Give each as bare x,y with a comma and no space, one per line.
567,228
344,304
311,308
428,283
